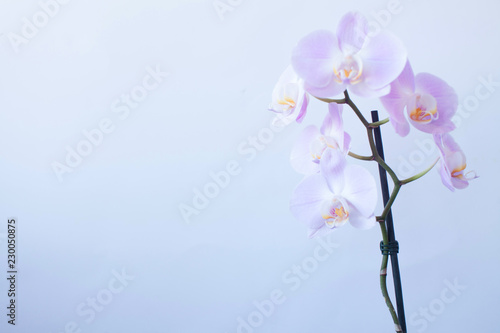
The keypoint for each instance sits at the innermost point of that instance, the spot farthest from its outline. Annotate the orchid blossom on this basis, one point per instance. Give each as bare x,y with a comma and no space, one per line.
340,193
453,163
289,99
333,192
429,101
312,142
330,63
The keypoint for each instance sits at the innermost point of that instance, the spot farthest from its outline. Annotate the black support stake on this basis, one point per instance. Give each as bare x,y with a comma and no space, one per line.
390,228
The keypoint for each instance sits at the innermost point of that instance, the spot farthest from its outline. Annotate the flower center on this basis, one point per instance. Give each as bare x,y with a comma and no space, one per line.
335,212
287,102
349,70
319,145
458,172
423,108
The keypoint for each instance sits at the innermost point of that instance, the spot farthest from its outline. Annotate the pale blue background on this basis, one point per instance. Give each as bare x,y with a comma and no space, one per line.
119,208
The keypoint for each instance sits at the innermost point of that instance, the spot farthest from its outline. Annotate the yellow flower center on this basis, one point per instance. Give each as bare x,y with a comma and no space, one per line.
349,69
335,212
288,101
423,109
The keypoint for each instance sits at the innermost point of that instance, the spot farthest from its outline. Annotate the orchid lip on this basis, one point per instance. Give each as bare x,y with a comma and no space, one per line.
423,108
319,145
335,212
349,69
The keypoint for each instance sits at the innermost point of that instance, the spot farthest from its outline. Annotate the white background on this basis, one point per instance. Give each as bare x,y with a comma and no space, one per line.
119,208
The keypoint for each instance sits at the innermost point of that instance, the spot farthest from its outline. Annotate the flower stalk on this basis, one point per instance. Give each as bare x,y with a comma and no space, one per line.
377,155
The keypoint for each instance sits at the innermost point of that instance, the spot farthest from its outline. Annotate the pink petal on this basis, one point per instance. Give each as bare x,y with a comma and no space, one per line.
364,90
459,183
446,99
452,157
449,143
332,167
395,102
360,221
333,126
351,32
445,176
347,143
333,122
307,200
303,108
360,189
312,58
383,57
331,89
300,158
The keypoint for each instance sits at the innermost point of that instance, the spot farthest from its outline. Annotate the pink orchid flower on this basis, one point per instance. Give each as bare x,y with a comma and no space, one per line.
340,193
453,163
289,98
312,142
429,101
330,63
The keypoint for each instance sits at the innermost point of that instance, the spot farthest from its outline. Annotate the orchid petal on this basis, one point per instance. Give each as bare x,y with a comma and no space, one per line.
333,124
333,88
333,121
300,158
360,221
351,32
384,57
445,176
364,90
303,108
459,183
360,189
453,163
347,143
312,58
332,168
307,200
446,103
395,102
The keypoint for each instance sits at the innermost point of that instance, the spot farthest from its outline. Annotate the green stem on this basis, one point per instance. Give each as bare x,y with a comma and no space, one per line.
329,100
353,106
419,175
380,122
387,207
360,157
383,279
381,219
